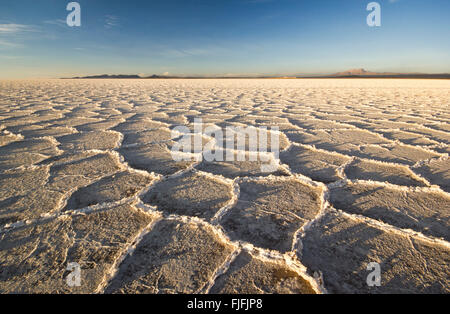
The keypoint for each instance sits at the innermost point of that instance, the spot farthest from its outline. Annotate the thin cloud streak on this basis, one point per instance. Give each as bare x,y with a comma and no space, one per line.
8,44
111,21
12,28
59,22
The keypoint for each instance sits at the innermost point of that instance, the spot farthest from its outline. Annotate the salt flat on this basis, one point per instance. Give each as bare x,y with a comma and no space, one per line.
87,176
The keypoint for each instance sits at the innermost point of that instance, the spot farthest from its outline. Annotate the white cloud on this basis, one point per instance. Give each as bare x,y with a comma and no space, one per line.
194,52
111,21
9,57
15,28
8,44
59,22
11,34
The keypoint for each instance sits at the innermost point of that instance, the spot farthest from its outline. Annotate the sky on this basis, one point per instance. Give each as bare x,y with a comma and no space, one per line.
221,37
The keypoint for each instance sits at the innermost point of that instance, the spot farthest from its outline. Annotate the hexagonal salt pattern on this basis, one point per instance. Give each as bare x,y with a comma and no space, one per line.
88,175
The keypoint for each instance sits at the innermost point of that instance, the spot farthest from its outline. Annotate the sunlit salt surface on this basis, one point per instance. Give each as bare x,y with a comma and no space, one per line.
88,176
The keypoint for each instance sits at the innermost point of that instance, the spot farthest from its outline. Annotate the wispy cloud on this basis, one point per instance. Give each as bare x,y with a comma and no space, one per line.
58,22
15,28
8,44
194,52
111,21
9,57
12,34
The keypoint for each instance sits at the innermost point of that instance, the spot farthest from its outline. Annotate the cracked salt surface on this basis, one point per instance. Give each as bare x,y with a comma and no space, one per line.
87,175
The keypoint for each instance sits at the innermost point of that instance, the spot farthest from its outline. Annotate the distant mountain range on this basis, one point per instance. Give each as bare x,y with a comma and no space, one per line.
362,73
353,73
154,76
106,76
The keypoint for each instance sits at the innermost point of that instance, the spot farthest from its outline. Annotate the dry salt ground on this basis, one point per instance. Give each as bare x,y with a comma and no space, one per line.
87,177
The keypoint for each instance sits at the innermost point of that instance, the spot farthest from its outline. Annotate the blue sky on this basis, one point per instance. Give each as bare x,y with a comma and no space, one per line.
221,37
